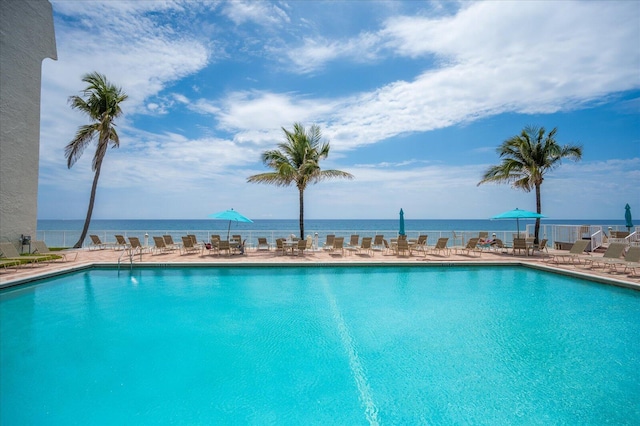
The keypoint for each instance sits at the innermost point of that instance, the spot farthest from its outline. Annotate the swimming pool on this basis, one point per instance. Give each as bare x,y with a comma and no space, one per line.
319,345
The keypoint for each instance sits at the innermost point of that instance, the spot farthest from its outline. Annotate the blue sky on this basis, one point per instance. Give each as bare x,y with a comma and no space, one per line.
414,98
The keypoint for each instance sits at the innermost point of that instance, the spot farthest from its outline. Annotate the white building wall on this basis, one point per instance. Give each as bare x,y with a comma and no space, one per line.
26,38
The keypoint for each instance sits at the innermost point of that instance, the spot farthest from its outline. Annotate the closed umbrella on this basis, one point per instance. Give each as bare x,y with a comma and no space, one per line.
401,231
232,216
627,217
518,214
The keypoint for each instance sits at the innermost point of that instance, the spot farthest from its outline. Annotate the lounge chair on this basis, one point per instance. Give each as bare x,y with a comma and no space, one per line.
497,244
96,243
354,241
471,247
575,253
365,245
610,256
7,263
135,247
632,261
40,247
169,243
10,253
441,247
188,245
378,243
631,256
121,243
212,246
338,245
263,244
421,244
328,244
159,245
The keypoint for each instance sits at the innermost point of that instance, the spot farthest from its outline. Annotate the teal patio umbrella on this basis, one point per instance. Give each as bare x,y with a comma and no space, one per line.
401,231
627,217
232,216
518,214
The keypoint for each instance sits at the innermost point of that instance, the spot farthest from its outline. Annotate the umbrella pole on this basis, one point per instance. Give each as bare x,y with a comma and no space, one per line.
228,230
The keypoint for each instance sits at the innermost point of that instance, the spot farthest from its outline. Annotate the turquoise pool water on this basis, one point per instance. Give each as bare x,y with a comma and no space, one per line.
319,345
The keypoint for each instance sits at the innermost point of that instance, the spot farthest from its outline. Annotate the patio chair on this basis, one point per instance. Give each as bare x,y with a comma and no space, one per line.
328,244
188,245
301,247
498,244
421,244
169,243
378,243
159,246
136,247
96,243
224,245
471,247
402,246
520,244
441,247
575,253
10,252
212,246
366,245
338,245
263,244
541,248
631,256
632,261
353,242
40,247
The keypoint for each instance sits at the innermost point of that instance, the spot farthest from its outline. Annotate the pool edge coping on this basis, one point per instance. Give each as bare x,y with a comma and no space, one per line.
111,265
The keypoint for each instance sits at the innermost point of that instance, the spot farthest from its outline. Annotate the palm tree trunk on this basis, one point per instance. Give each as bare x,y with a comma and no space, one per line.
92,200
301,196
539,211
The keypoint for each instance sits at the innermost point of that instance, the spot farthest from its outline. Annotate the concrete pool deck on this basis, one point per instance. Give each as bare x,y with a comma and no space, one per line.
109,258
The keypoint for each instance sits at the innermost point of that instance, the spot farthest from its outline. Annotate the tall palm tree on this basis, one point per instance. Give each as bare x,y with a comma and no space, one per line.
297,161
526,158
102,105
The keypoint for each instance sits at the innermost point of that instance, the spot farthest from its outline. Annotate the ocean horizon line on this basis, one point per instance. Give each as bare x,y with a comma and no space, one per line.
330,219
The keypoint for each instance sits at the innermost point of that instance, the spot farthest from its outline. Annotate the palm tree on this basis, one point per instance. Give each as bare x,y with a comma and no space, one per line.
297,161
102,105
526,158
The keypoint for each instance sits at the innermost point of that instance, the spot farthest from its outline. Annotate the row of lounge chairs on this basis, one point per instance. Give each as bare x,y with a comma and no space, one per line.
10,258
615,256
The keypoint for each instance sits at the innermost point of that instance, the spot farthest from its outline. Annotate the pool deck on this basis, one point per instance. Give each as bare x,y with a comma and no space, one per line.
109,258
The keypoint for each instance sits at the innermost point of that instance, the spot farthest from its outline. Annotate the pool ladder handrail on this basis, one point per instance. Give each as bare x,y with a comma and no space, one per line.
131,254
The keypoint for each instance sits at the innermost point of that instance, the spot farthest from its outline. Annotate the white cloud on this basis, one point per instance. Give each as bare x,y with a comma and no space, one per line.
255,12
493,57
